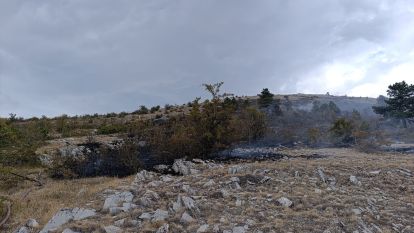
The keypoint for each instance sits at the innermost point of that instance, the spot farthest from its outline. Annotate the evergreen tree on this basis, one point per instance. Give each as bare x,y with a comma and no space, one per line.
400,103
265,98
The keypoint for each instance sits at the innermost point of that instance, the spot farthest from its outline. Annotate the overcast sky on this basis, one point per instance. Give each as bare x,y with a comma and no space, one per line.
87,56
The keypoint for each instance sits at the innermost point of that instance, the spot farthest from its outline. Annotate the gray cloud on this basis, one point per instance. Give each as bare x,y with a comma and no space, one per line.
81,57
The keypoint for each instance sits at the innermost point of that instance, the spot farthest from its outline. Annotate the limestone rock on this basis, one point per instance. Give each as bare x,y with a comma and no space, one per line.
203,228
354,180
183,167
112,229
32,223
63,216
186,218
163,229
285,202
117,200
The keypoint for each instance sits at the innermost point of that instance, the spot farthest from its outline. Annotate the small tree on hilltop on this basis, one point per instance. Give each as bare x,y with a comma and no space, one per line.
265,98
400,104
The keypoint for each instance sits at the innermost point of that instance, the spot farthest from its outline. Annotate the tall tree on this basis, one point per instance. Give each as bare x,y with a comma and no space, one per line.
400,103
265,98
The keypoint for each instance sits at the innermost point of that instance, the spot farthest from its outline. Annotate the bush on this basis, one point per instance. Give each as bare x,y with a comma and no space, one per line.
98,160
142,110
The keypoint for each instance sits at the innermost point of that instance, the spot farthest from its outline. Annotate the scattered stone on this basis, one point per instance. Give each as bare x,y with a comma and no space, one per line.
186,218
68,230
239,230
322,175
237,169
166,178
375,172
117,199
163,229
162,168
65,215
318,191
182,167
265,179
354,180
285,202
209,183
357,211
120,222
112,229
189,204
32,223
158,215
149,198
23,230
203,228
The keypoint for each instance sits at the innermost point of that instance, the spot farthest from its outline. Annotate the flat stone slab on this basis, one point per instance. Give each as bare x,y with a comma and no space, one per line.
63,216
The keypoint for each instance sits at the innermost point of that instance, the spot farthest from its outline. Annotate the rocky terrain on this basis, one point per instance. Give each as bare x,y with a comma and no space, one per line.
303,190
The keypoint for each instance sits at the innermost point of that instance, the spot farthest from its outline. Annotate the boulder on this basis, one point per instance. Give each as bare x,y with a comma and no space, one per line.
32,223
285,202
149,198
22,230
143,176
158,215
183,167
203,228
354,180
68,230
64,216
163,229
186,218
112,229
238,230
117,200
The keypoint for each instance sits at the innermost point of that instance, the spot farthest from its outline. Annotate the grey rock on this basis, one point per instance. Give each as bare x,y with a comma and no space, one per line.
239,230
32,223
112,229
163,229
354,180
182,167
22,230
149,198
68,230
209,183
186,218
63,216
321,175
189,204
120,223
117,200
203,228
158,215
161,168
143,176
237,169
285,202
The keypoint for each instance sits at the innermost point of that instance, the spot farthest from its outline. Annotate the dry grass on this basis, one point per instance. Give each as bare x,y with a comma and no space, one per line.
41,203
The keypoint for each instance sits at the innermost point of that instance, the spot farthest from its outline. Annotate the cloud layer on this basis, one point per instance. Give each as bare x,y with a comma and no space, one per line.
91,56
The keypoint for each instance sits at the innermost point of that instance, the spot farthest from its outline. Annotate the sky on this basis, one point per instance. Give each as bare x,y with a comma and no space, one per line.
86,56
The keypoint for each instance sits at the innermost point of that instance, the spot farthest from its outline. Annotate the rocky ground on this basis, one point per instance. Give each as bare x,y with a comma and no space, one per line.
325,190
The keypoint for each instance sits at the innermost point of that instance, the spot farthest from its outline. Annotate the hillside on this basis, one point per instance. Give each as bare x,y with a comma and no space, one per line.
325,190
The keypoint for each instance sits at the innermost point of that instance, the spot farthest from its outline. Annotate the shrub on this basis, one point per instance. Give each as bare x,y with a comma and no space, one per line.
142,110
265,98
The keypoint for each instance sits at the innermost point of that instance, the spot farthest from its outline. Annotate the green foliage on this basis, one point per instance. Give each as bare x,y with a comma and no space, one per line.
265,98
111,128
142,110
400,104
155,109
342,131
327,111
